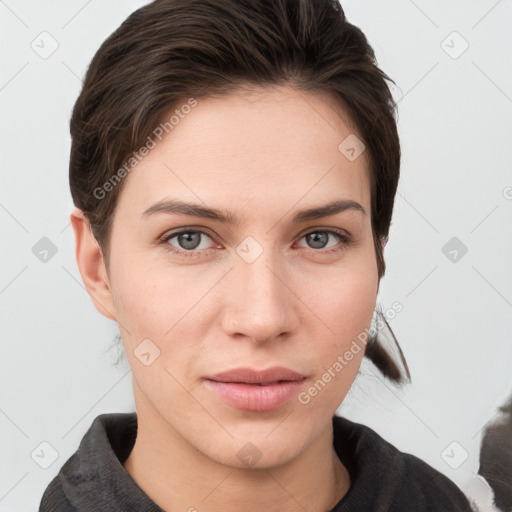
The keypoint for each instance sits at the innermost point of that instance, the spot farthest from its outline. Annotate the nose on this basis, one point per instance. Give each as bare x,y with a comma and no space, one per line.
260,301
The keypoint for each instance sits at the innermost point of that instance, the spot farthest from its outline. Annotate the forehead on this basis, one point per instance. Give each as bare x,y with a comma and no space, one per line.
277,145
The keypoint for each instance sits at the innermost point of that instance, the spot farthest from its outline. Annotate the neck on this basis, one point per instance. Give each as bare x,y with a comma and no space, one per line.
177,476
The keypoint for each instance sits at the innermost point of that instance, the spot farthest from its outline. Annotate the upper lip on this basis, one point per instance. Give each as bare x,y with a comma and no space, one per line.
251,376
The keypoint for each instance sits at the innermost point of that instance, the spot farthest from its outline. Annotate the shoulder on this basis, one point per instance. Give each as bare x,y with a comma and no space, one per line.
106,444
433,489
380,473
54,499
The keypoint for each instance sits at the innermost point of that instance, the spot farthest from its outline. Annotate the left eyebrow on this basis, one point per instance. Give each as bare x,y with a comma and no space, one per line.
173,206
327,210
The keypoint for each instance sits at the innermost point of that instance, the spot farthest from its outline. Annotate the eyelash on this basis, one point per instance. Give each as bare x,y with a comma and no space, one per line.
346,241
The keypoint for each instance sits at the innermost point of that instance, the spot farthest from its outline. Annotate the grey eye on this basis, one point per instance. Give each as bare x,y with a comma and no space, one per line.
318,239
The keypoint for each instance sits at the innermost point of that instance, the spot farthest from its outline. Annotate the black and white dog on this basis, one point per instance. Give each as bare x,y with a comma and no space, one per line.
496,463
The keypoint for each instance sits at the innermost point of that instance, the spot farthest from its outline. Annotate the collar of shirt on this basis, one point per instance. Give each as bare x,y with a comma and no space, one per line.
382,477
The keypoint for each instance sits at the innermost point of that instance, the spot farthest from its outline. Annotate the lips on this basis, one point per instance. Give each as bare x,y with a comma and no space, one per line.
256,390
266,377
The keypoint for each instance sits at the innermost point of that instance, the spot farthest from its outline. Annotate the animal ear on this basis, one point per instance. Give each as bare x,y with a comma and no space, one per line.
496,457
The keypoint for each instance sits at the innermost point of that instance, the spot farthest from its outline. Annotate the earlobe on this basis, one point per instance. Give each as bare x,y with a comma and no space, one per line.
91,265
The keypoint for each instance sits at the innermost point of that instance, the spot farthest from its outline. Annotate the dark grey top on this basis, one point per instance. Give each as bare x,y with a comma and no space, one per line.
383,478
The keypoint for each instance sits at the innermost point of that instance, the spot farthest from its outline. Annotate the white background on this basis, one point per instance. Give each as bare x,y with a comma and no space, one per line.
455,121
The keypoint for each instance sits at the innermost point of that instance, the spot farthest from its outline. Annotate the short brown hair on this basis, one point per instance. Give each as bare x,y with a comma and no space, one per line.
170,50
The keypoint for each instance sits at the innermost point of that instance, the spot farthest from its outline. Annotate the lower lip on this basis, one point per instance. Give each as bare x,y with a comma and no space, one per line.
252,397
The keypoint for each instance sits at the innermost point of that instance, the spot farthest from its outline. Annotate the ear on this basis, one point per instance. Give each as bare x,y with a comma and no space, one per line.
383,241
91,265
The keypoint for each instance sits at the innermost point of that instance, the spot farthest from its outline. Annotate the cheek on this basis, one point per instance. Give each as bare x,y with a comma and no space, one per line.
152,310
147,300
347,301
345,314
166,309
352,310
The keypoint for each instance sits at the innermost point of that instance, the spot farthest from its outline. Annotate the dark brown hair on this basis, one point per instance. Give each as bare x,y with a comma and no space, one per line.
169,51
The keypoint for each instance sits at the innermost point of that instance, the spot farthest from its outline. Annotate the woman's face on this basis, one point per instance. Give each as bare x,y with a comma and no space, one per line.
264,291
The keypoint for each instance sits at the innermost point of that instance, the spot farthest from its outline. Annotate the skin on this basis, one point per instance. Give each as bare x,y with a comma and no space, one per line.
262,154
